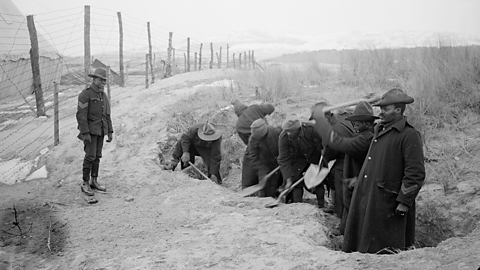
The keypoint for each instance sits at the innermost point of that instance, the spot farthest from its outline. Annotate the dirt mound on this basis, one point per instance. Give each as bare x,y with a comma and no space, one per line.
155,219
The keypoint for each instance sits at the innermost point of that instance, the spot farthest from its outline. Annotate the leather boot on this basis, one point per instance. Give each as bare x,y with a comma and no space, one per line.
95,185
85,187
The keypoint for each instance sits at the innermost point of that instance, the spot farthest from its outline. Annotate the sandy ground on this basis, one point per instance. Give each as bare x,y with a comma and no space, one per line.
155,219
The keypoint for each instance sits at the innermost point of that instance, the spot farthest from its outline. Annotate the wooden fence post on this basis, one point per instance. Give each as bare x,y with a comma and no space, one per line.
245,60
150,52
200,57
253,59
34,61
240,60
185,61
86,43
174,62
228,58
56,127
120,50
211,55
108,84
188,54
220,59
249,59
170,62
195,61
233,59
146,71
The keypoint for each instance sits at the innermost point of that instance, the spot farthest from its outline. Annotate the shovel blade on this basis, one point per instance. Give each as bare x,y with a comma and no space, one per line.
272,205
250,190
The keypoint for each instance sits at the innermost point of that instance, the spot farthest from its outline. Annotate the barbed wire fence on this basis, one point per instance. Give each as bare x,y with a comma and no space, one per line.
45,59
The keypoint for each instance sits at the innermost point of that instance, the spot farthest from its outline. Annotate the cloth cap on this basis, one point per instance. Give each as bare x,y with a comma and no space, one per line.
238,107
362,112
259,128
393,96
99,73
208,132
291,124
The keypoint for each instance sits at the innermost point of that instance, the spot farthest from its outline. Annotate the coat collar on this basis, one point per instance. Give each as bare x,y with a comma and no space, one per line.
398,125
96,89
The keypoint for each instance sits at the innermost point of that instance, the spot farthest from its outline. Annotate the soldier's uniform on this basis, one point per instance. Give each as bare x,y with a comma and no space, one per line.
93,117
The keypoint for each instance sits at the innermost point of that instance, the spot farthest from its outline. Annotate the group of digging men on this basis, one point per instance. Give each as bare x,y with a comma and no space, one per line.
378,170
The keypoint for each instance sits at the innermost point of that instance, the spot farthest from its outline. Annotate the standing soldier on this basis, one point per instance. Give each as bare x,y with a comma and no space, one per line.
263,152
354,148
94,122
382,211
246,116
202,140
299,146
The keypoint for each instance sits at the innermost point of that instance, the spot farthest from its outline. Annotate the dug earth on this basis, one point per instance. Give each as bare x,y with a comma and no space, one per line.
155,219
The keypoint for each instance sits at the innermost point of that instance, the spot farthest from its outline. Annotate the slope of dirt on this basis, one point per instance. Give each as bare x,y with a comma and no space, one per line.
155,219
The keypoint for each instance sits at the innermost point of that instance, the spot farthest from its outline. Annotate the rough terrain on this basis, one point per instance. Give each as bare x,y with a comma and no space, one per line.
155,219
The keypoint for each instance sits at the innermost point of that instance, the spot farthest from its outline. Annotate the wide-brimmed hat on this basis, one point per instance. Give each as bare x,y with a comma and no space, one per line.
99,73
393,96
362,112
208,132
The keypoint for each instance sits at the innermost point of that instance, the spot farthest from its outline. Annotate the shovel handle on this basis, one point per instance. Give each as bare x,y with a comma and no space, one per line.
373,97
285,192
191,164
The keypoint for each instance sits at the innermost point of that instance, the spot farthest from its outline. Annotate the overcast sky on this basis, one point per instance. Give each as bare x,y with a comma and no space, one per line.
205,18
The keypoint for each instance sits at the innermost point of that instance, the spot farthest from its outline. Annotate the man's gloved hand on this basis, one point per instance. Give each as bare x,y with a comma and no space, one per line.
110,137
286,185
185,157
352,183
401,210
87,138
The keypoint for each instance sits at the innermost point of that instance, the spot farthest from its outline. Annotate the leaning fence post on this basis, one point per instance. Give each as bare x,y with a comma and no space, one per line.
228,58
253,59
195,61
240,60
200,57
56,128
150,52
146,71
86,43
233,59
34,61
108,84
120,50
211,55
245,60
188,54
174,62
169,61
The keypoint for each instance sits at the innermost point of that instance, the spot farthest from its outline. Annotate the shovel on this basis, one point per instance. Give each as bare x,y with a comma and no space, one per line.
200,172
283,194
255,188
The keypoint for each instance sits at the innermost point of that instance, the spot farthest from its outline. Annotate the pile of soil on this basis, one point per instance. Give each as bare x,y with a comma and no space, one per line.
155,219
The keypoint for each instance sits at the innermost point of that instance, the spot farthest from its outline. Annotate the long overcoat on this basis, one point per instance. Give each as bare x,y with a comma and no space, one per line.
392,173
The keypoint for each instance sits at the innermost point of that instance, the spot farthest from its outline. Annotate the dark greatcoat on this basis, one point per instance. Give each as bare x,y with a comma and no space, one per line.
246,116
263,153
210,151
344,129
392,173
355,149
295,155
